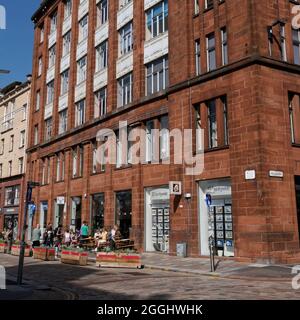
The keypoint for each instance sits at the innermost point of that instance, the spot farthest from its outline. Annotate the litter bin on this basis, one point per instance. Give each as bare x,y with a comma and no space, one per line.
181,249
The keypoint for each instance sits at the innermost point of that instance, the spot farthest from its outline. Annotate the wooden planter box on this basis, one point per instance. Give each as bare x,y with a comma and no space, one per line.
119,260
46,254
15,250
106,259
3,247
74,257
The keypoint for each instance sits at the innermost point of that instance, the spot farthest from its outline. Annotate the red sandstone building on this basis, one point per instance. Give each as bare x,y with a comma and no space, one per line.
229,67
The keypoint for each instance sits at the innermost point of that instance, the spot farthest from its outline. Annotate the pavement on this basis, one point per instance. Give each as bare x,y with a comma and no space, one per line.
224,267
163,277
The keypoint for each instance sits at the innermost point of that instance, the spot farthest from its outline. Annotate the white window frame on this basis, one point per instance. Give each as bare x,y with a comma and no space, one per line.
125,91
102,12
63,121
102,56
64,82
83,28
81,69
155,20
100,102
80,113
126,39
164,73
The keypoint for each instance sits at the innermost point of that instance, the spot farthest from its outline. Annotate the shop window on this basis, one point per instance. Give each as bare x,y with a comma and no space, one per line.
97,218
211,116
124,212
76,213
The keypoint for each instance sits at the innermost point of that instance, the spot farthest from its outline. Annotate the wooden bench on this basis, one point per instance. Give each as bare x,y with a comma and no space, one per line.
124,244
88,243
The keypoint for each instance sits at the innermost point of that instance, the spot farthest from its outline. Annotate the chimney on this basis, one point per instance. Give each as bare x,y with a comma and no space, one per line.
29,77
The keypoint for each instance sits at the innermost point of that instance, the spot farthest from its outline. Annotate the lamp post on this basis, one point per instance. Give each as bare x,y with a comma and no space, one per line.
30,186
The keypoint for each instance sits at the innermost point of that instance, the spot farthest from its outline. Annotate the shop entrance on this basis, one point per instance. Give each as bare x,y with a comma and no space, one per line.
59,206
11,222
97,208
76,213
124,212
43,215
216,218
157,219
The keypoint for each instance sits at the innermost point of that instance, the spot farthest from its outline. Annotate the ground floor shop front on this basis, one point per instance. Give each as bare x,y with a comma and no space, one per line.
211,216
154,222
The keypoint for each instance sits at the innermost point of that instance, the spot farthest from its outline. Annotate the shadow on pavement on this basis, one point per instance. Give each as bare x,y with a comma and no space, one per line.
54,281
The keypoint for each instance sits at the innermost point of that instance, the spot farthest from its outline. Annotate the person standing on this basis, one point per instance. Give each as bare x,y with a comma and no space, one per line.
84,231
50,236
9,238
36,236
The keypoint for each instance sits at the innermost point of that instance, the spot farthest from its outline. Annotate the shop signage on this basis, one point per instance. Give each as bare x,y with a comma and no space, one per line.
175,187
11,210
276,174
250,174
60,200
160,195
219,190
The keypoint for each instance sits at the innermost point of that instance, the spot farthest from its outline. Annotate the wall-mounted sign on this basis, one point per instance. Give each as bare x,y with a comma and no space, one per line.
175,187
250,174
60,200
220,190
14,210
276,174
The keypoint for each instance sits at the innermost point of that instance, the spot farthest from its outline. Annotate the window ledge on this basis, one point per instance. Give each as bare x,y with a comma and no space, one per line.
97,173
128,166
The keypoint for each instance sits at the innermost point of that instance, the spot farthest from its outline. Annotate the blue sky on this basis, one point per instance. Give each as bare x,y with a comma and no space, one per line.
16,42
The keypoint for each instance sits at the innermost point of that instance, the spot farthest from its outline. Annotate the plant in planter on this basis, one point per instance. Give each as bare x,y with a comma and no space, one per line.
16,248
44,253
3,246
74,256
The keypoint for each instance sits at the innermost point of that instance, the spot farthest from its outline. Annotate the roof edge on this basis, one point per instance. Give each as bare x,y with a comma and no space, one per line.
44,6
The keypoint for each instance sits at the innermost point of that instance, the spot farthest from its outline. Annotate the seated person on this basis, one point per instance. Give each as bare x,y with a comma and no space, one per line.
97,235
103,237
